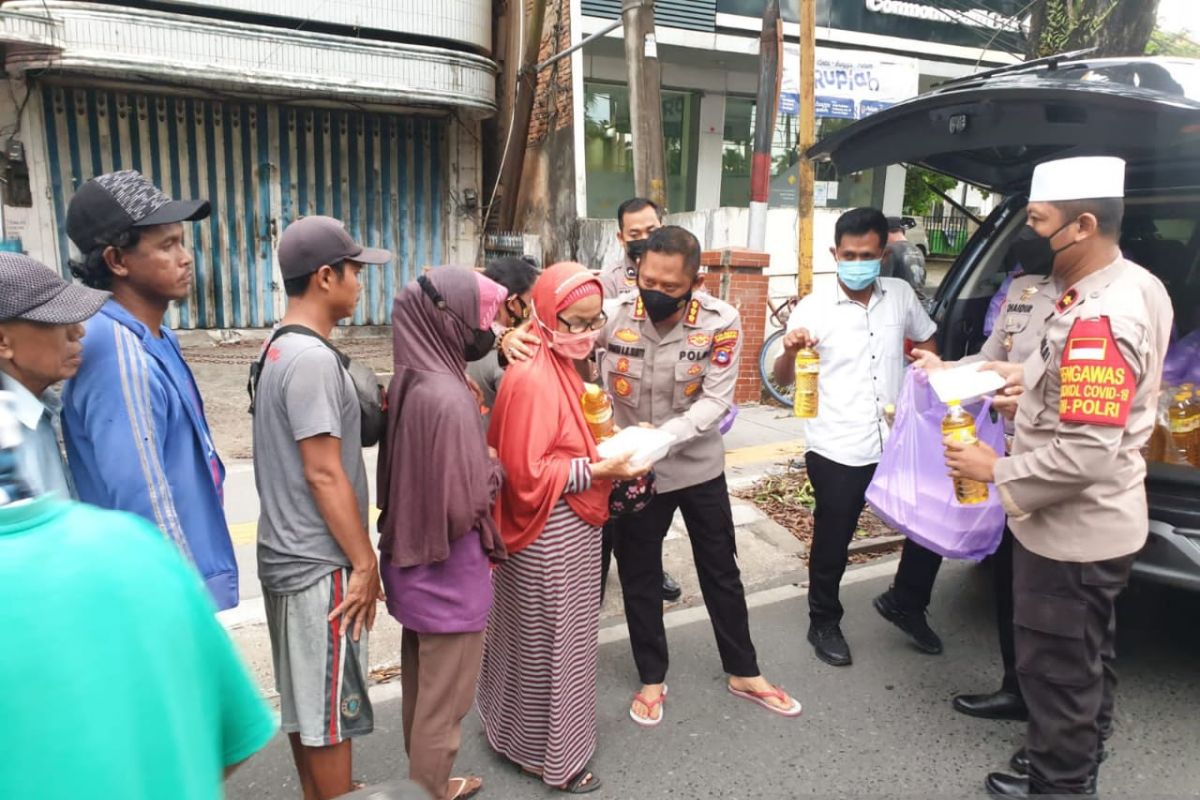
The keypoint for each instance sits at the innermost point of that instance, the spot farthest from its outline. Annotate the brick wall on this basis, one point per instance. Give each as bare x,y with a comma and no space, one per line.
739,277
552,101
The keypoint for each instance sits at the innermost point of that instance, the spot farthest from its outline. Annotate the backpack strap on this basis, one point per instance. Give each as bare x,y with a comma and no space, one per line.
257,367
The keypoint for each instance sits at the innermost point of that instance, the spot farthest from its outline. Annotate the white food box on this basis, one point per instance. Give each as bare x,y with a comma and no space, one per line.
966,383
646,444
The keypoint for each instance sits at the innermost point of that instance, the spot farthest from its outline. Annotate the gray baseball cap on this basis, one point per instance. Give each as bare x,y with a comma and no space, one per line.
310,243
117,201
31,291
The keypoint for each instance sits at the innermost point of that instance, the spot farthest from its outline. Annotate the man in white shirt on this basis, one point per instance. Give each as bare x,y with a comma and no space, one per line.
41,328
858,329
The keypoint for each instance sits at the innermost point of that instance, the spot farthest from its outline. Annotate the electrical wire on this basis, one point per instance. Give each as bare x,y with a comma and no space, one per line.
512,120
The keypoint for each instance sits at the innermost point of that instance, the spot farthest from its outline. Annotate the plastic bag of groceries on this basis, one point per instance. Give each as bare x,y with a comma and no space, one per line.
911,491
1182,364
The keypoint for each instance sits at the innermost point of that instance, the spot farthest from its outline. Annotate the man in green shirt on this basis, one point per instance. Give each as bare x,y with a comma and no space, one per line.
119,681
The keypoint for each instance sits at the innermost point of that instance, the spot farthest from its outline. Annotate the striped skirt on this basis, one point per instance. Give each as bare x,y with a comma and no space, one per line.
537,687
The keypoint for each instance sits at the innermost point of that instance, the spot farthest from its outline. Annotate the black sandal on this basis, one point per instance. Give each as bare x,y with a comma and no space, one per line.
583,783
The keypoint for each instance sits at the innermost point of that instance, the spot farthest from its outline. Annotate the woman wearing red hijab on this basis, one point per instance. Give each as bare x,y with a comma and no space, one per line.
554,501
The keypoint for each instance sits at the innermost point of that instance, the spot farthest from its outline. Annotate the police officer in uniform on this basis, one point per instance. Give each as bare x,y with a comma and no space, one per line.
637,218
671,360
1073,486
1027,305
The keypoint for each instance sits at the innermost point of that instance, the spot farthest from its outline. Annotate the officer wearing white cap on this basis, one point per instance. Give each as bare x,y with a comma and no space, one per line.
1073,485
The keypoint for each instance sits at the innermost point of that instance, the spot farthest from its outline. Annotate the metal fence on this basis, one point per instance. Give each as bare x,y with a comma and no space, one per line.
947,235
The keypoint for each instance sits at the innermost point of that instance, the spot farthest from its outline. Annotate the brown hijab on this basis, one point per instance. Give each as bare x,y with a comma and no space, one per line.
437,481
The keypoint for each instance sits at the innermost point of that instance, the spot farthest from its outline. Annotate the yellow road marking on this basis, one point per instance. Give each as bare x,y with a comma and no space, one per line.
247,532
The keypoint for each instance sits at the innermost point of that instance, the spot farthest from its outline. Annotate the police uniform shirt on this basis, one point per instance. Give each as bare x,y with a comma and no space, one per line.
619,277
681,381
1028,304
862,365
1073,487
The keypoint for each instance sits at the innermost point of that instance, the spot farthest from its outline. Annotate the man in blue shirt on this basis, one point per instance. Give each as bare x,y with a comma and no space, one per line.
41,318
137,439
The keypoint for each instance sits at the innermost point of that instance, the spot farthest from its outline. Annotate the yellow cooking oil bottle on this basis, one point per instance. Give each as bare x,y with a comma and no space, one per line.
1184,423
1194,406
597,411
808,370
958,425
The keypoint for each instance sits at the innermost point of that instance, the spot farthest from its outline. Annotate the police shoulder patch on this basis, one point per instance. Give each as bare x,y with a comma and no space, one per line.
1097,385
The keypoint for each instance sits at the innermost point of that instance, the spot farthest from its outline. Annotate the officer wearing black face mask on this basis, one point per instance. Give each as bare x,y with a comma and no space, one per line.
671,360
637,218
517,276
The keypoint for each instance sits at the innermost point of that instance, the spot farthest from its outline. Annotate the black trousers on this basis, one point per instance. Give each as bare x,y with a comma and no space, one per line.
1002,573
606,548
637,544
1066,625
840,493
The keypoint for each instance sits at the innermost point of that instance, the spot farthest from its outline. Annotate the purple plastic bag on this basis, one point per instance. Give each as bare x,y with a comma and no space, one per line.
911,491
727,420
1182,364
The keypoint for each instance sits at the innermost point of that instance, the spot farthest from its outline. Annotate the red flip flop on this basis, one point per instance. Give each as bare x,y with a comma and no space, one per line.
761,698
650,722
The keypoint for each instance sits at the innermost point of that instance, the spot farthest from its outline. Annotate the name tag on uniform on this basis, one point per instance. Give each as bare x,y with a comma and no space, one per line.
1098,386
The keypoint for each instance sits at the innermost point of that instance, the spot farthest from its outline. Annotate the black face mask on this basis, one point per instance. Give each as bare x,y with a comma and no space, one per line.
1034,251
636,249
480,345
661,306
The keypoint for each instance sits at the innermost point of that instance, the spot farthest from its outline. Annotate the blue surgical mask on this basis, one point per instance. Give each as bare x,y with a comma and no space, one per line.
858,275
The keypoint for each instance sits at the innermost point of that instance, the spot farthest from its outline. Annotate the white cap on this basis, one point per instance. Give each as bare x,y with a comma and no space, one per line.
1082,178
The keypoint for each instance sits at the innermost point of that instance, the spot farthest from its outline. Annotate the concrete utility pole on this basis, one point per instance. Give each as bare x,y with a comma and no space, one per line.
645,101
807,131
770,54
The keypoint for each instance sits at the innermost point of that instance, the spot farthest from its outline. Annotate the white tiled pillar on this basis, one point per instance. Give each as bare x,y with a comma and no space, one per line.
708,162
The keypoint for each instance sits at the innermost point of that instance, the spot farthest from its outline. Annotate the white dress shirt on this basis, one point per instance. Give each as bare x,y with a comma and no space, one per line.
40,454
862,365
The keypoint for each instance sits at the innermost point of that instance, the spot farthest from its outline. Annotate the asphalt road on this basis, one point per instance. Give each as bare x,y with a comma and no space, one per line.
881,728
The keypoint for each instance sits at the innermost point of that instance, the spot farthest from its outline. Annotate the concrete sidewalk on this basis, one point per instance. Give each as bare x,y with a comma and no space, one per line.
762,439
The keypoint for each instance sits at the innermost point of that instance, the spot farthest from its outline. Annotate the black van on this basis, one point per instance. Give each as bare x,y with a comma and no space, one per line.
990,129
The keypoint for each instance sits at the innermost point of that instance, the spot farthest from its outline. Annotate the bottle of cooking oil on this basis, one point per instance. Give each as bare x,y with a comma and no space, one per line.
808,370
1194,415
597,411
1182,420
958,425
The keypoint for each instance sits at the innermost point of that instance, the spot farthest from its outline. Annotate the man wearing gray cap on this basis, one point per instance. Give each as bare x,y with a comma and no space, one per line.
41,327
136,435
319,573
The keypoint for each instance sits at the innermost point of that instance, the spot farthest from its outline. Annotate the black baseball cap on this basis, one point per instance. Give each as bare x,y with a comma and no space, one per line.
113,203
895,224
310,243
32,292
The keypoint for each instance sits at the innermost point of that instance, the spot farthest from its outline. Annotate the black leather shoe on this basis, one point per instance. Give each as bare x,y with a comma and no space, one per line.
671,589
913,624
1020,761
999,784
830,645
997,705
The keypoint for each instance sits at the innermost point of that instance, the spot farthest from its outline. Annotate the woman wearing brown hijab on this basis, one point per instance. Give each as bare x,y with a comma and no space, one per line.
437,483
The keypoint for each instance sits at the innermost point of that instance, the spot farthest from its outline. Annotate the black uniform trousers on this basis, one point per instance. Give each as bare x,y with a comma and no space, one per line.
637,544
840,493
1002,573
1066,624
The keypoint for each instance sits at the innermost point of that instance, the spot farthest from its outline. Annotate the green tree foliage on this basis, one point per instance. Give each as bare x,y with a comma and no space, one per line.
918,196
1178,44
1113,27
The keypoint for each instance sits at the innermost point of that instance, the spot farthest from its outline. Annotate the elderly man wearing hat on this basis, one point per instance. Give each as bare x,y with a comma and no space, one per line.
1085,404
137,439
41,328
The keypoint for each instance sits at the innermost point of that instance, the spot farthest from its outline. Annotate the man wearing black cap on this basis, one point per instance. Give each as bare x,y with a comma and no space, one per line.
319,573
137,439
41,328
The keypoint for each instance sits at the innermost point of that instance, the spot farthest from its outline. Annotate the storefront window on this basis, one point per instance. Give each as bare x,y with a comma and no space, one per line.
831,190
609,148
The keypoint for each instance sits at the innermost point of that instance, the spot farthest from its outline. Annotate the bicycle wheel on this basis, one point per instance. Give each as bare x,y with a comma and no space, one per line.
772,348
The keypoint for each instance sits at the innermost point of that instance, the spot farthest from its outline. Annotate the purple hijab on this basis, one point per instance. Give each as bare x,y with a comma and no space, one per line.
437,481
